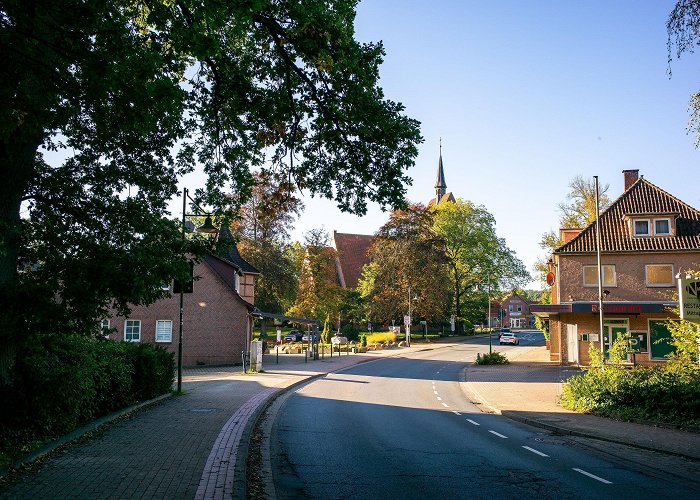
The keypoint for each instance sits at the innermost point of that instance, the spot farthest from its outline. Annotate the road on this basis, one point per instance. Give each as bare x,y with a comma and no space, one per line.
402,427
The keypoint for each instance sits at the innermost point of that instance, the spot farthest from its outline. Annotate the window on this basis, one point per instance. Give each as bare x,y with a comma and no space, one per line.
164,330
104,326
641,227
510,307
662,227
590,275
659,339
520,308
659,274
132,330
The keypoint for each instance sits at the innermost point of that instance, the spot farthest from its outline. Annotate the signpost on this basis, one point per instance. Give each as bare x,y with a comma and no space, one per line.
407,322
689,298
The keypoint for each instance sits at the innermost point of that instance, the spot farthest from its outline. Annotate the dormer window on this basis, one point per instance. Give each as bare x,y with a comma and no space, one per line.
662,227
641,227
650,225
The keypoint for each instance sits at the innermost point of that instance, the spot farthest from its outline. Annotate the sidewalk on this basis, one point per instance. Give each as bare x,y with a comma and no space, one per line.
529,389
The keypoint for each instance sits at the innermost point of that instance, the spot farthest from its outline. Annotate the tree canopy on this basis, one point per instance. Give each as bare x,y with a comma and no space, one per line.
478,260
134,94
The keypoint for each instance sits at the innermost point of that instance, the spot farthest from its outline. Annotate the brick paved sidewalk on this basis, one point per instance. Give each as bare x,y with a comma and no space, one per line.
529,390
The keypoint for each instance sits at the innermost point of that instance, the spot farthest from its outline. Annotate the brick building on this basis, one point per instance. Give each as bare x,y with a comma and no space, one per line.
216,321
515,312
647,237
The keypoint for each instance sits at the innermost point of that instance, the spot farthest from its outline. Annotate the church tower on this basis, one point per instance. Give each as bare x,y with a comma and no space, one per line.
441,193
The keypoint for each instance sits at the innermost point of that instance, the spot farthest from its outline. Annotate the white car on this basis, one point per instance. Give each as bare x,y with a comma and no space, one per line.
508,338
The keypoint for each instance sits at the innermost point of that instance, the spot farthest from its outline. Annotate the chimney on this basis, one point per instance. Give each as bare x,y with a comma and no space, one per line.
631,177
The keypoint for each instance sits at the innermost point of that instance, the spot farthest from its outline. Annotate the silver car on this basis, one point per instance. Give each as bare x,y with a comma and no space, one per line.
508,338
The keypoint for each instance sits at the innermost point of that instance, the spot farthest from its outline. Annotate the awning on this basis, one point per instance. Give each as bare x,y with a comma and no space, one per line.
624,308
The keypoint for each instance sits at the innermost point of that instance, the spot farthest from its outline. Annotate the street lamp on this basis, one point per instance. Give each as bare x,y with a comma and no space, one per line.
207,228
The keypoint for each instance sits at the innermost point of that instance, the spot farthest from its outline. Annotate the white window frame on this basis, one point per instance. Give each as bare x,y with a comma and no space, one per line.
653,285
164,339
604,266
669,226
520,308
105,328
634,227
135,322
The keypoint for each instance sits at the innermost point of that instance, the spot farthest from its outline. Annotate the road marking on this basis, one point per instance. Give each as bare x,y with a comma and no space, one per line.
605,481
456,412
439,398
535,451
472,422
435,392
498,434
446,406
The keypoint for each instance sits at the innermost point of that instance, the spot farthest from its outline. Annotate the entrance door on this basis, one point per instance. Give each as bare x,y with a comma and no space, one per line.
613,329
572,343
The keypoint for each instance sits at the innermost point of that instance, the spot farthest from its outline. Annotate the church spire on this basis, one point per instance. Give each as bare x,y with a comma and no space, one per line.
440,184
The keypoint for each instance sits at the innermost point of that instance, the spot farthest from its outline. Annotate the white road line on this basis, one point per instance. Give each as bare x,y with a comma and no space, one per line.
498,434
472,422
456,412
435,392
605,481
535,451
439,398
446,406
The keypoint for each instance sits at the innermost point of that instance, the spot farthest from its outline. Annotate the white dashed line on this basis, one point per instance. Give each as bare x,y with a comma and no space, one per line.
439,398
456,412
498,434
605,481
446,406
472,422
435,392
535,451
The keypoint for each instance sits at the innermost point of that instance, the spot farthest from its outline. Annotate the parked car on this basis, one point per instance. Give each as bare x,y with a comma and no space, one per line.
315,337
508,337
293,336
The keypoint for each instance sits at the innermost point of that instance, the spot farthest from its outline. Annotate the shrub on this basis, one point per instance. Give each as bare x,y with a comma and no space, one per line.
494,358
60,382
380,338
349,331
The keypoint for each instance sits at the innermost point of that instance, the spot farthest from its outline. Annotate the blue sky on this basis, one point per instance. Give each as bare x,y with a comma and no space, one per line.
527,95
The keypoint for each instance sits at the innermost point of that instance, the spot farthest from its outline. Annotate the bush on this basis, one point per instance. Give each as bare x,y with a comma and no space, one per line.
60,382
669,393
494,358
380,338
349,331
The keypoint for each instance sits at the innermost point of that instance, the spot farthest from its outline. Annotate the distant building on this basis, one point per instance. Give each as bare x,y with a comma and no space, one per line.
441,193
515,312
351,255
647,236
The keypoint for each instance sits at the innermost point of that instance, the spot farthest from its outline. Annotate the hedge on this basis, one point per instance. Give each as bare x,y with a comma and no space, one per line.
60,382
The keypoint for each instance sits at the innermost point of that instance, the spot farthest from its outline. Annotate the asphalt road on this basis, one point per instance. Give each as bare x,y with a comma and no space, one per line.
402,427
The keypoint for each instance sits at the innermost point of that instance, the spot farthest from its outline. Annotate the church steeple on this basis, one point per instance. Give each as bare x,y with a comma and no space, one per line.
440,184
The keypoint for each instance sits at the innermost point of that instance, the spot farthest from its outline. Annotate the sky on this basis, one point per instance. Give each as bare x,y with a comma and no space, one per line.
525,96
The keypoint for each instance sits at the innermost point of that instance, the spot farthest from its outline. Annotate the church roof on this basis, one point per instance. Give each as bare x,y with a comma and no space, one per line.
351,256
440,181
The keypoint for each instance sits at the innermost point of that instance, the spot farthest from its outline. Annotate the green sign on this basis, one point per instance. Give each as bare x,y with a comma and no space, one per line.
689,298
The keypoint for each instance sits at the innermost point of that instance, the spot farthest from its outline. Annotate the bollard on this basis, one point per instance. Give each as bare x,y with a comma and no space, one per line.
243,359
278,354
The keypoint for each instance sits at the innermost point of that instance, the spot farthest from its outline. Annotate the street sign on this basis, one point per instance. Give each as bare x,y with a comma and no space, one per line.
689,299
407,320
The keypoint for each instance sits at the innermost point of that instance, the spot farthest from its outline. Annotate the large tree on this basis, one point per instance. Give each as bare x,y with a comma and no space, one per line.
683,26
408,264
133,94
262,228
479,261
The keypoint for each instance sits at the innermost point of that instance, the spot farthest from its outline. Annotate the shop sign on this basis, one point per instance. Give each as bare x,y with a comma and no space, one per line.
689,298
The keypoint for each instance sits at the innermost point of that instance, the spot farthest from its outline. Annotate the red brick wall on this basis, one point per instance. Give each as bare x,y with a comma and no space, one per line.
631,276
215,321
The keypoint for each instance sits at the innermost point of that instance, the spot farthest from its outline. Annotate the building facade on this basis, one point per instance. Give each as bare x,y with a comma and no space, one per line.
647,237
216,315
515,312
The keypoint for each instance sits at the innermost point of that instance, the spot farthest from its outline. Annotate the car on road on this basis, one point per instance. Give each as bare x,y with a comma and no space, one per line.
508,337
293,336
305,337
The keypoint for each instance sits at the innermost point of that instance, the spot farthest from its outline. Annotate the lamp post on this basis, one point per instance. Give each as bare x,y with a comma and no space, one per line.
207,228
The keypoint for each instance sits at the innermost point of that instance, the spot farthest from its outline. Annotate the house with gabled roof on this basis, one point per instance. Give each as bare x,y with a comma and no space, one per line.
515,312
647,237
217,325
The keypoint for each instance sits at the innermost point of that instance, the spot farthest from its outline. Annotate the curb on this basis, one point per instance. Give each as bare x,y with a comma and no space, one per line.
79,433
